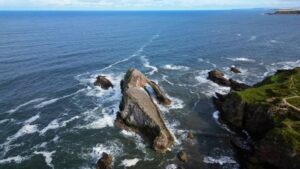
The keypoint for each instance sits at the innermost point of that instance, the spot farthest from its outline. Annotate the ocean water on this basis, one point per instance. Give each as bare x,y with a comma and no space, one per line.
51,115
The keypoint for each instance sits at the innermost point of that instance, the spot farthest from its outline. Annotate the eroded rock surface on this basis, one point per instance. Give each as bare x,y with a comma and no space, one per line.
105,162
139,113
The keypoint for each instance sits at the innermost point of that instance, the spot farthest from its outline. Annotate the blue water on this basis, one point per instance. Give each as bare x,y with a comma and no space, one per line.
51,115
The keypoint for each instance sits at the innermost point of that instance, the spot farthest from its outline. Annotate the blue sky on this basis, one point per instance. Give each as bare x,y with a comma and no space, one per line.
144,4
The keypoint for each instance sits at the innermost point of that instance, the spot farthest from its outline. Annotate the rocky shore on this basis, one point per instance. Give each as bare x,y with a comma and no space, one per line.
286,12
266,118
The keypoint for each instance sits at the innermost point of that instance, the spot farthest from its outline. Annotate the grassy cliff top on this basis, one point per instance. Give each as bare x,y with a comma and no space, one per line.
284,84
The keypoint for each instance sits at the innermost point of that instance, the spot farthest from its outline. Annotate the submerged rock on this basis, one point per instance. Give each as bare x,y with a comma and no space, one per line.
235,69
219,78
190,135
139,113
182,156
103,82
105,162
268,112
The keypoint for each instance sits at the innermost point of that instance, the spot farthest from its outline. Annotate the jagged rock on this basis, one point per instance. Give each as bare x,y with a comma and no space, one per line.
235,69
103,82
139,113
182,156
190,136
219,78
105,162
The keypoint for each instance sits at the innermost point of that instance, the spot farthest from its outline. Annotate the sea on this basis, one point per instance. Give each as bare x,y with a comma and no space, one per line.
52,116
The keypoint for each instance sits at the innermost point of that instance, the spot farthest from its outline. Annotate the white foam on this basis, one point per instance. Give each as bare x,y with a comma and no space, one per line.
241,59
272,68
26,129
51,101
112,147
252,38
207,61
164,77
130,162
136,53
146,63
32,119
171,166
210,87
216,115
222,160
105,121
54,124
176,67
48,157
4,121
25,104
16,159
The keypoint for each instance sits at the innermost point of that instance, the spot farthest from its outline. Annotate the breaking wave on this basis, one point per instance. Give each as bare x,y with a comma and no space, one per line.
176,67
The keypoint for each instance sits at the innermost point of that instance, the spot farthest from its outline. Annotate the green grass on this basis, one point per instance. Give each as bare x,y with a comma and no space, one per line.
294,101
282,84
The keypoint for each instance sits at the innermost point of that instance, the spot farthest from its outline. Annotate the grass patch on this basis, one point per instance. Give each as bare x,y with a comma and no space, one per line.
295,101
284,83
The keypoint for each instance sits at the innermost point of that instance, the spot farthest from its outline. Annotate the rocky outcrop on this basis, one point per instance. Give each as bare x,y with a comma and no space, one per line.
139,113
103,82
219,78
267,127
105,162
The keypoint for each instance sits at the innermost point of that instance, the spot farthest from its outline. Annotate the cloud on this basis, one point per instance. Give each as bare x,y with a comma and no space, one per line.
146,4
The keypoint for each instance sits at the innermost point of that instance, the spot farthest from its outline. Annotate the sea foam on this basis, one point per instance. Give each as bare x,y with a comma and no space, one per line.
222,160
130,162
176,67
48,157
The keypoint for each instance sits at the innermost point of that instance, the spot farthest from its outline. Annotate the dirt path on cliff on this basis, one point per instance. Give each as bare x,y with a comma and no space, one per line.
290,105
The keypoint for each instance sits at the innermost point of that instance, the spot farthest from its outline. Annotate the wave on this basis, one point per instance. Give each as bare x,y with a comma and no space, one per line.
164,77
112,147
105,121
136,138
146,63
210,87
51,101
26,104
176,67
5,120
241,59
48,157
252,38
16,159
32,119
54,124
272,68
222,160
130,162
136,53
207,61
171,166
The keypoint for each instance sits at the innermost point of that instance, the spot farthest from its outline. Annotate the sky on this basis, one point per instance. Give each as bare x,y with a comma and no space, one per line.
144,4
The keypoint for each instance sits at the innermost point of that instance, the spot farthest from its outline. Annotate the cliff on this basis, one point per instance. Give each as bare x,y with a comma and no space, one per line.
270,113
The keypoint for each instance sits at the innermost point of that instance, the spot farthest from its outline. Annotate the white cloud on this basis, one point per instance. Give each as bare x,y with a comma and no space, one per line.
146,4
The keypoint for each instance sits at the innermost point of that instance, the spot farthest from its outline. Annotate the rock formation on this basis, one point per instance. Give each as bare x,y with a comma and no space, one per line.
140,114
219,78
105,162
267,119
235,69
103,82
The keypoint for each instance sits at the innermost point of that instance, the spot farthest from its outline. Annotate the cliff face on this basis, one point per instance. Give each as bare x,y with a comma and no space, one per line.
270,113
139,113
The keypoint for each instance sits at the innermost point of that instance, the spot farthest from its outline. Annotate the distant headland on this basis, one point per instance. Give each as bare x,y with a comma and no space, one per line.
285,12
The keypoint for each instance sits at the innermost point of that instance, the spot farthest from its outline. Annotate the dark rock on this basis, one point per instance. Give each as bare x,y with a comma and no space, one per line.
235,70
103,82
105,162
161,97
190,136
182,156
218,77
139,113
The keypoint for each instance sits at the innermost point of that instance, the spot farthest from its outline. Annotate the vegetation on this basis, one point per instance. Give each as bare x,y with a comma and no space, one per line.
283,84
